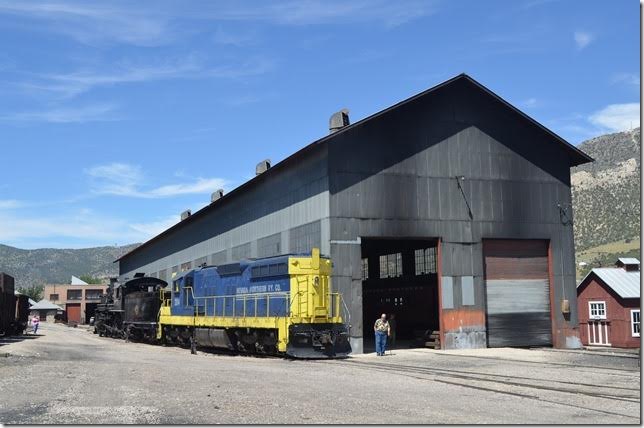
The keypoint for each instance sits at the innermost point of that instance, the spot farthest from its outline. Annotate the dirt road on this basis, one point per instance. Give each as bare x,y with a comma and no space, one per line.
69,375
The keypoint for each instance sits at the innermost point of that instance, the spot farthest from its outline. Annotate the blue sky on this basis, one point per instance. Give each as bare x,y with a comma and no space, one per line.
116,116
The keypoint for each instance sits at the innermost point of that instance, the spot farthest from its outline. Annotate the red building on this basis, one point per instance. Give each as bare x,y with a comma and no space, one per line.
608,301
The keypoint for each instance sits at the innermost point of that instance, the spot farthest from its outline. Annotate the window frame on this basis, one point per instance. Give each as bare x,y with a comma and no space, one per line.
639,323
390,265
598,316
364,264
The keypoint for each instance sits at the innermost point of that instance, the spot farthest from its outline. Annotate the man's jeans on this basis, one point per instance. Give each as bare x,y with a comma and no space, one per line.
35,328
381,342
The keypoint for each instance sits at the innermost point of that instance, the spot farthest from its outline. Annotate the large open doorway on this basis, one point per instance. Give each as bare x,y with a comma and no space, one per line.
399,276
90,311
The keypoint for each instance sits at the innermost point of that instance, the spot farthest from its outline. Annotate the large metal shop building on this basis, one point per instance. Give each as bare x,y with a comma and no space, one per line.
451,209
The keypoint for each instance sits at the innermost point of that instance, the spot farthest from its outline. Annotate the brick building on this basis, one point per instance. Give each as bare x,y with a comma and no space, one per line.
79,299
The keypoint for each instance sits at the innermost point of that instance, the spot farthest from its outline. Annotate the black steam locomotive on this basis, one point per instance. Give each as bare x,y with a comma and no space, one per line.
130,311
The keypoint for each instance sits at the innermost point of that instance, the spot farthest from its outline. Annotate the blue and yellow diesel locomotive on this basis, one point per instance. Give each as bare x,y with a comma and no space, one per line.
278,305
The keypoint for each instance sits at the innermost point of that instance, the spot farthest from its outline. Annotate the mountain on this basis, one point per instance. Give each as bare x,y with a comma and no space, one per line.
606,199
50,265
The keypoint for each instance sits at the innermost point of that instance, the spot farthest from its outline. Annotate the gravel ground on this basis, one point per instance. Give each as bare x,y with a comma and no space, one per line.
68,375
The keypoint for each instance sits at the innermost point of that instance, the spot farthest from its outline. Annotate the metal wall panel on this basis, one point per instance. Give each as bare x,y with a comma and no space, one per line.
305,237
219,258
269,246
240,252
467,290
447,292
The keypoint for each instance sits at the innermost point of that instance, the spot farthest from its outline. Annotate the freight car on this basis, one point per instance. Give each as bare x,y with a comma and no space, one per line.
130,310
281,305
14,307
7,304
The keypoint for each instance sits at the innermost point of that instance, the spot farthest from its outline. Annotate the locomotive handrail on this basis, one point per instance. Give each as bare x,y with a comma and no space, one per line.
244,298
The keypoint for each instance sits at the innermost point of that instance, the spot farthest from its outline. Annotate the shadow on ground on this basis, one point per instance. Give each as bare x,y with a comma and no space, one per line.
6,340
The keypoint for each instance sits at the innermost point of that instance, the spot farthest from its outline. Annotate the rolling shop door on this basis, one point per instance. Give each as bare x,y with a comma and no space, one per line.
73,312
518,293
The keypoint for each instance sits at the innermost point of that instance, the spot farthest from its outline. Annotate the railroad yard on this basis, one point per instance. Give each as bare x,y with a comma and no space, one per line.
69,375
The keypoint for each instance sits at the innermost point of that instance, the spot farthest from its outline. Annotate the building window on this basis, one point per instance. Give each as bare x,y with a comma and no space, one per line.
597,310
93,294
365,269
74,294
391,265
186,266
53,297
425,260
635,322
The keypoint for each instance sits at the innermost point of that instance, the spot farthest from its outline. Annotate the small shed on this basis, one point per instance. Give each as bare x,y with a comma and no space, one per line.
45,310
608,302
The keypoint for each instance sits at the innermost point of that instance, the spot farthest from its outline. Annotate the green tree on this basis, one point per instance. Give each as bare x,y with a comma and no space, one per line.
90,279
33,291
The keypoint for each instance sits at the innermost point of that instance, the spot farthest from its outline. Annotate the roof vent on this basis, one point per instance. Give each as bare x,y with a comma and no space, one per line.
263,166
216,195
338,120
185,214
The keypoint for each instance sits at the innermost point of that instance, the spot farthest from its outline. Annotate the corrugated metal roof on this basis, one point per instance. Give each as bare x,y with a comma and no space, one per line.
629,260
577,157
45,304
625,284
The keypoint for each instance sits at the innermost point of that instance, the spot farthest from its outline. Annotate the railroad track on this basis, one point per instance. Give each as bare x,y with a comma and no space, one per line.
499,383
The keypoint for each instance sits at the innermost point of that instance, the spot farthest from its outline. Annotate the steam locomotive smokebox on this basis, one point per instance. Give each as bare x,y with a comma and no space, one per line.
141,306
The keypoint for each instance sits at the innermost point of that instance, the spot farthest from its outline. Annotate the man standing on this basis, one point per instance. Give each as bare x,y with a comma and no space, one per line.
381,329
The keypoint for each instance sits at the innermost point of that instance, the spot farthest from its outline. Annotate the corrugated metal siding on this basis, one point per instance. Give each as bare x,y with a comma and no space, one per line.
518,293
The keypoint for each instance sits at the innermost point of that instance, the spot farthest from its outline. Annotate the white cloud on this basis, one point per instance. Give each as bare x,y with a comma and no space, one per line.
153,228
122,179
88,113
82,229
96,23
617,117
530,103
625,78
6,204
69,85
583,39
237,39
